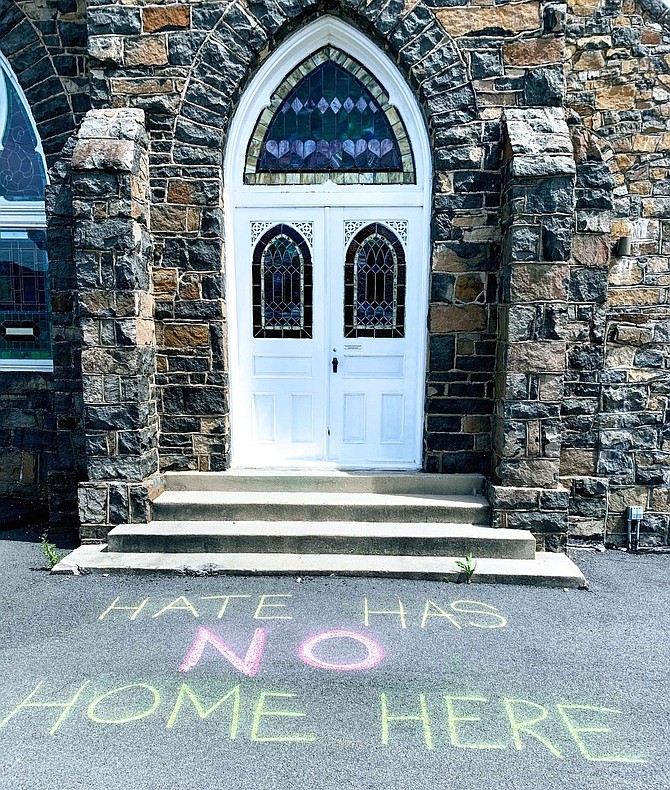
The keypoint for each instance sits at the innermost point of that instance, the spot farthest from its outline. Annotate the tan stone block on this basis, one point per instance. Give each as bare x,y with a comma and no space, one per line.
538,282
595,42
166,218
551,388
193,217
644,376
640,188
445,259
161,363
650,36
547,356
97,303
583,7
578,462
533,51
141,86
656,207
184,335
617,97
470,287
620,498
457,318
589,61
632,335
144,332
625,271
645,142
146,51
165,281
179,192
619,357
591,249
165,17
620,227
189,287
28,467
634,297
513,18
660,500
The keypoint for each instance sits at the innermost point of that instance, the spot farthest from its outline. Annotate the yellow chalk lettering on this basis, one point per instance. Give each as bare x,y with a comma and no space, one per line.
225,599
260,712
575,731
140,714
484,609
262,605
113,607
527,724
453,719
203,712
433,610
400,611
66,706
175,606
422,717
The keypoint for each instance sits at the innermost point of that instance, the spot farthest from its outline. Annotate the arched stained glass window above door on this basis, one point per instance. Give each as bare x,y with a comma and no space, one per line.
24,293
329,120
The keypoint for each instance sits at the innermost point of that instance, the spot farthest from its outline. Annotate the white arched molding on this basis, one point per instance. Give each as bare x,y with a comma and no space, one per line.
18,217
362,202
257,97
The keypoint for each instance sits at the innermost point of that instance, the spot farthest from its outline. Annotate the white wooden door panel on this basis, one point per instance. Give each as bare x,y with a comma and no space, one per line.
291,405
388,370
279,390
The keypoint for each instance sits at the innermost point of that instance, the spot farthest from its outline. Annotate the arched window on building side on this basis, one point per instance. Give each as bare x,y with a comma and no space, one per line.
24,294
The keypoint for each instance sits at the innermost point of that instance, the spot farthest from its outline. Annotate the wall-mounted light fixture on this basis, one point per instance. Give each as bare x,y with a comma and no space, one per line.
623,246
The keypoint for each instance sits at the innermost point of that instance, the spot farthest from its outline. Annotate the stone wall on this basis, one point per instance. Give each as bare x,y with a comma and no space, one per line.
618,86
192,62
110,192
536,217
45,44
184,65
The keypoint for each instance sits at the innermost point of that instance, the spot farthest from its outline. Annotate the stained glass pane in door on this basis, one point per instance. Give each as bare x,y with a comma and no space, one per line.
282,285
374,284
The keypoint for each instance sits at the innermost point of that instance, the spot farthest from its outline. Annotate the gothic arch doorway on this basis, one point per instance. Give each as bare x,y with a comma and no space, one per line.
328,183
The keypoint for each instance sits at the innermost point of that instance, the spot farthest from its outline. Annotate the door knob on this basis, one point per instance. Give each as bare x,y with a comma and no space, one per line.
335,363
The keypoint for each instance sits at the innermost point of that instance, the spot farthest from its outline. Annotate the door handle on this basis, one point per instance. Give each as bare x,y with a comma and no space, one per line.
335,363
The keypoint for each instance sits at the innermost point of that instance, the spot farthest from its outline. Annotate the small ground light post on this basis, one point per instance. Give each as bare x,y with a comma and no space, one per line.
635,514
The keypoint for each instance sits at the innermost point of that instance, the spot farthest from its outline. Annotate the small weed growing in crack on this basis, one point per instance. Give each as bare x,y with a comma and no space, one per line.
50,551
468,566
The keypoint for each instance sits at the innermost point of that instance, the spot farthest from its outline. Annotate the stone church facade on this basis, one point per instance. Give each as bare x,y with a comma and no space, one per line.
545,192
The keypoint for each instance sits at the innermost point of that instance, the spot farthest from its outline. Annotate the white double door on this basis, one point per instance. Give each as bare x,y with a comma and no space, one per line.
340,387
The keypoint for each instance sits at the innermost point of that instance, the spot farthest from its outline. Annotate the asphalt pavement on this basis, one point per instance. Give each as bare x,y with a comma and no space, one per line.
326,683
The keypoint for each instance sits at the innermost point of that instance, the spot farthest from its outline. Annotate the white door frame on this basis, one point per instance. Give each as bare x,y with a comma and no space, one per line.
320,33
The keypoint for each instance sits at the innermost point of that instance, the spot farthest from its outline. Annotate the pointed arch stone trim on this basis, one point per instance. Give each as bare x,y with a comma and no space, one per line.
31,62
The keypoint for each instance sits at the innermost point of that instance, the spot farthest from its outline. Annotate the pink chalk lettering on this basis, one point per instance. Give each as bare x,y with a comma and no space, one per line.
249,666
373,658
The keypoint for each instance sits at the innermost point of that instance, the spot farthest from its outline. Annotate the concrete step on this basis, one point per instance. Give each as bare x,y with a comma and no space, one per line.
334,481
317,537
546,570
318,506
